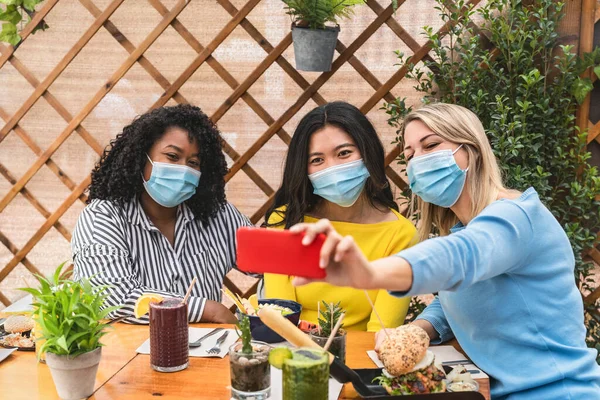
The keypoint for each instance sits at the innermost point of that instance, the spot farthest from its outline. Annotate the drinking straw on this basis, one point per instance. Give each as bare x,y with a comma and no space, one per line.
189,291
333,332
376,314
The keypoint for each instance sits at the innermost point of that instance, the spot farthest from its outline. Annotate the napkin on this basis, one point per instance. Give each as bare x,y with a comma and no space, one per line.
5,353
20,306
442,354
335,388
197,333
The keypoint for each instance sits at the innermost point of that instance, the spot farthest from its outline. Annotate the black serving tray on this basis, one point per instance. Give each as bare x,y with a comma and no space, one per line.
367,376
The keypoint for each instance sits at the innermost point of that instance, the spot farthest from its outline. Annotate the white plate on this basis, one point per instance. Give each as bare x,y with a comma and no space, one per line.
5,353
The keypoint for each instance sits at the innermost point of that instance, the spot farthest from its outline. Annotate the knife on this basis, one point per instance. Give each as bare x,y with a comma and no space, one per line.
198,342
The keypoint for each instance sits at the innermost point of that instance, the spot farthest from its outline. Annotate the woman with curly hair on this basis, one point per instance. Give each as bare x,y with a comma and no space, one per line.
157,215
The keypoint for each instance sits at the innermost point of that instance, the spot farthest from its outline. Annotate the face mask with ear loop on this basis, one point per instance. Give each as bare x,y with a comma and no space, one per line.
436,178
341,184
171,184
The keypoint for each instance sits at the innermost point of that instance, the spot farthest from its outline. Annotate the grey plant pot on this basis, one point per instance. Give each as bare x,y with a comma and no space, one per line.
314,48
74,377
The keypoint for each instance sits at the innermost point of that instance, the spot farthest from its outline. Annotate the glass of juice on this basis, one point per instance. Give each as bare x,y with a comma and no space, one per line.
169,348
306,375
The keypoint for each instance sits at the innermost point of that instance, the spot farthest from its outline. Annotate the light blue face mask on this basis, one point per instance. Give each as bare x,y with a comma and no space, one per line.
340,184
171,184
436,178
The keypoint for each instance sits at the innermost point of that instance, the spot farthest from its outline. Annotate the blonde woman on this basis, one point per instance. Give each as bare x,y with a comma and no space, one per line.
503,265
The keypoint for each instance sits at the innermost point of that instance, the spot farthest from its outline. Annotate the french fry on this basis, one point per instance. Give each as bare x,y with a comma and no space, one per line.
233,298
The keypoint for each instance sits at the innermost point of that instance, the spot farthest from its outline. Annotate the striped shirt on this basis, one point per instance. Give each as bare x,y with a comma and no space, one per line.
119,246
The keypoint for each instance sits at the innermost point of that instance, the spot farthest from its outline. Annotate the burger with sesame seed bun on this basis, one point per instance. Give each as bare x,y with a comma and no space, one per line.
409,366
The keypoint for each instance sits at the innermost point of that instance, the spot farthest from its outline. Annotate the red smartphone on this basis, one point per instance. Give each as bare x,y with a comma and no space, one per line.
278,251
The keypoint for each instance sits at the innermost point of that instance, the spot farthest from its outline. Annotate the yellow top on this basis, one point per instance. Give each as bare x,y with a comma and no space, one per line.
376,241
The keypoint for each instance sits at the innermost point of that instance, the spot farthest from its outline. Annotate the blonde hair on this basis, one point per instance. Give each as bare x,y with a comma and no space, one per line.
458,125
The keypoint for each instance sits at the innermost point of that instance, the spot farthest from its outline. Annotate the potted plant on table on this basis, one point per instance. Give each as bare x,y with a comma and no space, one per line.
314,41
328,317
70,315
249,366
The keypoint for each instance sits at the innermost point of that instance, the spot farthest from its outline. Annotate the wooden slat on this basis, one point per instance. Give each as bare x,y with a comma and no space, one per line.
268,47
200,58
52,219
35,148
130,48
586,44
40,14
395,178
364,72
592,297
34,202
593,132
258,214
54,103
303,98
13,249
253,77
127,64
418,56
230,80
62,65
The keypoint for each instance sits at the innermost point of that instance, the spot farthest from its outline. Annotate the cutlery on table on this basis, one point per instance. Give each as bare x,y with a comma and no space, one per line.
456,362
198,342
217,347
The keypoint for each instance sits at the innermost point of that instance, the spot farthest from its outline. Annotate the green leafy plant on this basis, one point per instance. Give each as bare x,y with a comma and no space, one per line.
526,92
328,317
316,13
70,314
15,13
244,333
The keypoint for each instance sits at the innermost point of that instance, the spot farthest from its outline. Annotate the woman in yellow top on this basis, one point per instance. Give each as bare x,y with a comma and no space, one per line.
335,170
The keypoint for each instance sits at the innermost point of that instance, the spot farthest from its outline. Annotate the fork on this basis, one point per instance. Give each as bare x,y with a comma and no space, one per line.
216,349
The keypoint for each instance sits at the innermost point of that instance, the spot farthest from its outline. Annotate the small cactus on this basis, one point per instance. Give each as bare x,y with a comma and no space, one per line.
244,334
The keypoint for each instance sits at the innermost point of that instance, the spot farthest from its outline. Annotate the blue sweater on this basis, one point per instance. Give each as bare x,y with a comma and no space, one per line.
507,293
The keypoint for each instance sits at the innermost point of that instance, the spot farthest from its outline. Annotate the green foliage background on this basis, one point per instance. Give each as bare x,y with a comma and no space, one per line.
526,94
316,13
16,13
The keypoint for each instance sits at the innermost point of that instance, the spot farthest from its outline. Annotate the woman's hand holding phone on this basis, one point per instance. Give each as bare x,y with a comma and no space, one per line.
346,265
344,261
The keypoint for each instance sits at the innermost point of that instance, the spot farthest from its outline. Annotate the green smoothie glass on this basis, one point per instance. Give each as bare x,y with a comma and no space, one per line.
306,375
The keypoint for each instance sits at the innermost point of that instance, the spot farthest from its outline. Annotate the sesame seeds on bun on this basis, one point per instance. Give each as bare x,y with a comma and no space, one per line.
18,324
404,349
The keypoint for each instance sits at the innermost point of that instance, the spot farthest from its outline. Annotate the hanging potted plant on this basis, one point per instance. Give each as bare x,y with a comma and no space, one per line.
70,315
312,31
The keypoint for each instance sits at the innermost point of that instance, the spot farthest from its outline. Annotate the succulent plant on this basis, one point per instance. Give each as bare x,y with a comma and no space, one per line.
328,318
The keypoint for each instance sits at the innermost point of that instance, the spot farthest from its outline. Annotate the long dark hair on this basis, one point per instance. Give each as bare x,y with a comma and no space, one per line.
296,191
118,174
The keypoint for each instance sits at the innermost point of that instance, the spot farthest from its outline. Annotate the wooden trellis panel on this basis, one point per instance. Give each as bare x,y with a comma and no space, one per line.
589,112
104,61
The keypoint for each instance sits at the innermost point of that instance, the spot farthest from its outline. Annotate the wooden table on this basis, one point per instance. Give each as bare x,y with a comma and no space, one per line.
124,374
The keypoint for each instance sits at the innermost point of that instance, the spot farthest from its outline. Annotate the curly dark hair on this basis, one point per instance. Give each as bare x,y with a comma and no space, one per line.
118,174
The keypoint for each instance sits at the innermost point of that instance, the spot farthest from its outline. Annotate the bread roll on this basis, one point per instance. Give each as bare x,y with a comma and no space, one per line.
403,349
18,324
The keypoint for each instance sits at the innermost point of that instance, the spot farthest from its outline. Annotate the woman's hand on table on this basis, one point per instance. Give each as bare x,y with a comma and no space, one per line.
217,313
346,264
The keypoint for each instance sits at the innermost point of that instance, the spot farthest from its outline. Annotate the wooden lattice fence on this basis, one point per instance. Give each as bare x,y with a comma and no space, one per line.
65,92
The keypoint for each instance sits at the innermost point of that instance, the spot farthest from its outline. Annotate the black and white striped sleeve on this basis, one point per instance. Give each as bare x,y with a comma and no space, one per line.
101,253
